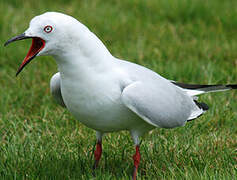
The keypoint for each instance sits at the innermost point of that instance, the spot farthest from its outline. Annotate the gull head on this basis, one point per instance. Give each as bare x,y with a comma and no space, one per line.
51,33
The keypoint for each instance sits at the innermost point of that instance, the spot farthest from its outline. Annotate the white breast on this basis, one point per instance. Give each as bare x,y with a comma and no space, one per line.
96,103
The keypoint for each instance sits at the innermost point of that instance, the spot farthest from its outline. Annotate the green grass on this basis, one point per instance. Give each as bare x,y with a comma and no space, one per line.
191,41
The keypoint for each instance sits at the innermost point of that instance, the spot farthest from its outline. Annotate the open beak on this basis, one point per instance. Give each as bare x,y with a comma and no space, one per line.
36,46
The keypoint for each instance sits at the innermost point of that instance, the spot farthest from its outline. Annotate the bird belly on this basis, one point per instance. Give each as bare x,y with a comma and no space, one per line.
102,115
99,108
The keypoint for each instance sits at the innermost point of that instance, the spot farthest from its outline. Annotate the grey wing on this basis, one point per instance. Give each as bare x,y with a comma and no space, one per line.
55,89
160,105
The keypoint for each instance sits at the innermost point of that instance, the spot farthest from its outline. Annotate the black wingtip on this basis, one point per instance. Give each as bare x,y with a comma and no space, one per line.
192,86
199,86
232,86
202,105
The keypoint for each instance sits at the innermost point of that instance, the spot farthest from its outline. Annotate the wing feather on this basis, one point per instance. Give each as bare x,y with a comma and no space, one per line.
55,89
161,106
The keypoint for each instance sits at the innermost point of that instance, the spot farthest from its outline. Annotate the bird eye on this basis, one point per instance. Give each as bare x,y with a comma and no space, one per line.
48,29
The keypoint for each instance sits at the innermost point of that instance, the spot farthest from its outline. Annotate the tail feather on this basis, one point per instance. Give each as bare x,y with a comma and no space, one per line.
196,89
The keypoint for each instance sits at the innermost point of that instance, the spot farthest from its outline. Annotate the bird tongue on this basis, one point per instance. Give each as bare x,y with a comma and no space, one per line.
36,46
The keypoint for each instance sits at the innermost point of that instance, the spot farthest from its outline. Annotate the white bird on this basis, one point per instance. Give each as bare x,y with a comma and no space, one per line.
105,93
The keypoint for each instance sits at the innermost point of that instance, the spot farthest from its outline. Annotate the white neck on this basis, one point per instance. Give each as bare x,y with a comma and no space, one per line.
84,54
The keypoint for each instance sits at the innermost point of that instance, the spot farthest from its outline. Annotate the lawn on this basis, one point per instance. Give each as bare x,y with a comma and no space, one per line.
192,41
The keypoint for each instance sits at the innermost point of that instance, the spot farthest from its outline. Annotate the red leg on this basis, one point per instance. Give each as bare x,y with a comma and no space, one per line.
136,159
97,154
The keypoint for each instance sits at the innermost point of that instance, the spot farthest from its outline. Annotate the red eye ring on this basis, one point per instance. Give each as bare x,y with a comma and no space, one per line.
48,29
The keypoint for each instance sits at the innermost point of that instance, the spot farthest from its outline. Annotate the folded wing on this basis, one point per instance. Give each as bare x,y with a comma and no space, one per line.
161,106
55,89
